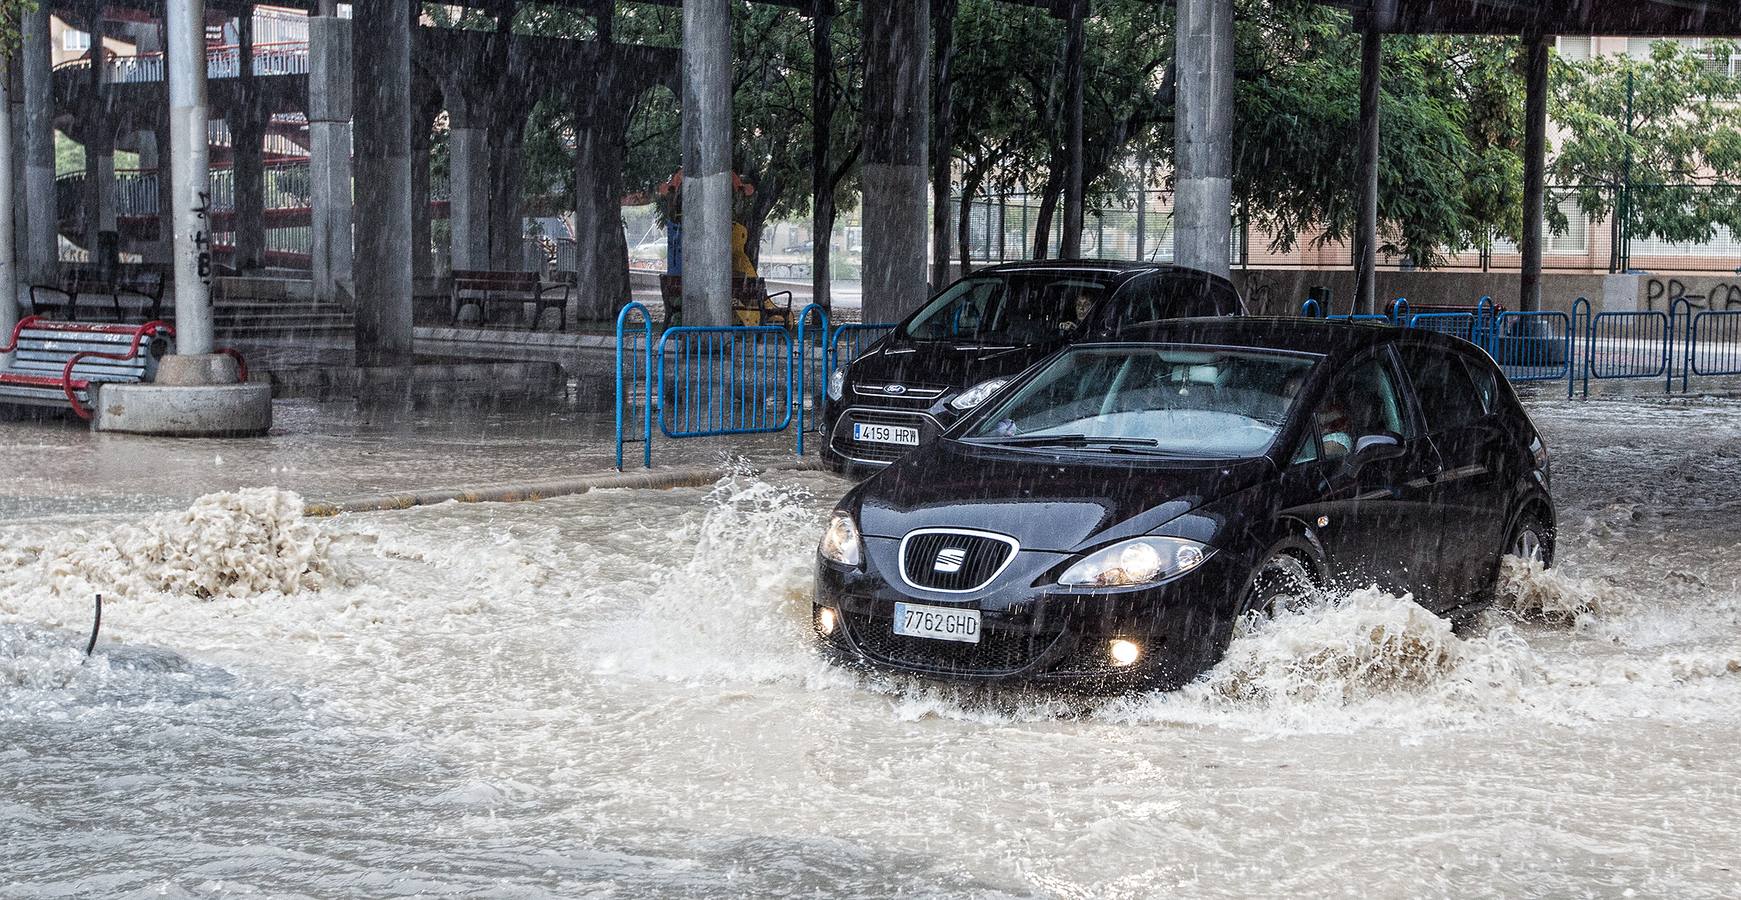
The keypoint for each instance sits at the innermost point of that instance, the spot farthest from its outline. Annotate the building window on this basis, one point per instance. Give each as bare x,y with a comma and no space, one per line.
1573,48
74,40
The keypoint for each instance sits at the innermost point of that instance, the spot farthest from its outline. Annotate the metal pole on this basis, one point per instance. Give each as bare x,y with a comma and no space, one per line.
8,271
191,172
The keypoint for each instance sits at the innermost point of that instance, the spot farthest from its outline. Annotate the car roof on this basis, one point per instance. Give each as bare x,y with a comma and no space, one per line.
1122,267
1297,335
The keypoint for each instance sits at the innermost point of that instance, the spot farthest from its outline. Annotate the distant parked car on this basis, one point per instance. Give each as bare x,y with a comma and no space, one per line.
1110,516
976,334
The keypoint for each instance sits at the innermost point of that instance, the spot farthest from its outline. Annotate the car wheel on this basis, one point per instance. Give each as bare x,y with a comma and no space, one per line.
1282,583
1532,538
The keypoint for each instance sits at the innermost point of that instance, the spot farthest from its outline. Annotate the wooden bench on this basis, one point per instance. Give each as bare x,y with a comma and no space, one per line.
751,303
127,287
55,363
479,287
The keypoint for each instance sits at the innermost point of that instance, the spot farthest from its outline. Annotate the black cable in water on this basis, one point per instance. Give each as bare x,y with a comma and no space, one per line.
96,626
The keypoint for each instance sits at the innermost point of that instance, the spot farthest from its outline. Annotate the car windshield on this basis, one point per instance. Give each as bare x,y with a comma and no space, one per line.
1010,308
1168,400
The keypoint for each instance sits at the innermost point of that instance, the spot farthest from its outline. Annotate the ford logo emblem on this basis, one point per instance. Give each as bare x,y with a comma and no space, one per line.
895,389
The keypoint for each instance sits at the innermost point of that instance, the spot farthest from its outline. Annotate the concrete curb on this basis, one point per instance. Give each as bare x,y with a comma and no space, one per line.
518,492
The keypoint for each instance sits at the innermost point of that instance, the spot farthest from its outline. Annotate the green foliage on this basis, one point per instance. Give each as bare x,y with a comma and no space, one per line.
1450,114
1667,126
11,18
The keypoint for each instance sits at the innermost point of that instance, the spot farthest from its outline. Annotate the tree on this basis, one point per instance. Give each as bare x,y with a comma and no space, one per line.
1450,124
1654,141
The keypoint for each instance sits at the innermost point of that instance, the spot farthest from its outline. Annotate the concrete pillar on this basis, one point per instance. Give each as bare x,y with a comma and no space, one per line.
707,162
1203,136
8,271
468,211
943,51
329,132
43,245
191,171
247,120
1070,244
897,53
1535,147
507,176
20,205
383,182
422,259
600,153
99,141
1366,175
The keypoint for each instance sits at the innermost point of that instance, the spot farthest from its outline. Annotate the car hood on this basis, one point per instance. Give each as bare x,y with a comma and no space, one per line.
944,364
1046,500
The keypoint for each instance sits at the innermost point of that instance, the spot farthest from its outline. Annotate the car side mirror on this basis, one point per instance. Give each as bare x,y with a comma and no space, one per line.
1374,447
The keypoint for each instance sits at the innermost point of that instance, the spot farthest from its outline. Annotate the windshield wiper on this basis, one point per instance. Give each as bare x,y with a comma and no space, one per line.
1067,440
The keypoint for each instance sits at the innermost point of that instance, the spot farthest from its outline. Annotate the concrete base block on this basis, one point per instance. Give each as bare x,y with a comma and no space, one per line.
220,410
184,370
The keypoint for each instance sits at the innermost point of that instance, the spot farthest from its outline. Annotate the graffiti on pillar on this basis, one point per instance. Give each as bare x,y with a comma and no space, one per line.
200,240
1663,294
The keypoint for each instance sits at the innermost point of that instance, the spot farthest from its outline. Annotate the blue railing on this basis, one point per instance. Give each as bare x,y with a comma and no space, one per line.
850,341
1631,344
813,367
1713,343
724,380
635,383
1532,346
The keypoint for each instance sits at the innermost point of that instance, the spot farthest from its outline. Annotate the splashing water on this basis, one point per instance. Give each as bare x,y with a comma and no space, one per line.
1529,590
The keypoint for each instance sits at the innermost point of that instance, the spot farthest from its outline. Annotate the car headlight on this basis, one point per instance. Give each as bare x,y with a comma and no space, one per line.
977,394
841,542
1133,562
837,384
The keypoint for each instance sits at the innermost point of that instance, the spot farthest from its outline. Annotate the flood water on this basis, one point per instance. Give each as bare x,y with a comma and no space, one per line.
612,695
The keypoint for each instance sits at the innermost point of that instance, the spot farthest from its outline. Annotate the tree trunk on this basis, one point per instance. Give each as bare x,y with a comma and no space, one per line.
767,197
1048,205
970,182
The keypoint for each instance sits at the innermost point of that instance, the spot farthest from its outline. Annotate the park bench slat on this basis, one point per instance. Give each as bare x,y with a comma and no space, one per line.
39,353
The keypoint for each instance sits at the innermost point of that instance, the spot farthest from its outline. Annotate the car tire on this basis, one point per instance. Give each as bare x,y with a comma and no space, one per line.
1531,537
1283,582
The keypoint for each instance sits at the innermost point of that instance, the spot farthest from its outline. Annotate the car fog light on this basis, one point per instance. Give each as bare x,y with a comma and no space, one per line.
1124,652
825,620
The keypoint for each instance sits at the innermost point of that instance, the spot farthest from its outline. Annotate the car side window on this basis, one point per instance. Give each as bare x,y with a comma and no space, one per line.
1449,398
1486,385
1363,401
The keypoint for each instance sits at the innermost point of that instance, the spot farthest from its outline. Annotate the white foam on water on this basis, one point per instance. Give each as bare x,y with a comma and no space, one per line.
231,544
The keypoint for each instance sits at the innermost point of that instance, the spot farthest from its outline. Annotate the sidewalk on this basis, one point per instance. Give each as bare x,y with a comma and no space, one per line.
332,451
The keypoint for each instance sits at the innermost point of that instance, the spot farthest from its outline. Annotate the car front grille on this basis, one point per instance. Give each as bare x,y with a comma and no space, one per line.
943,560
874,452
999,651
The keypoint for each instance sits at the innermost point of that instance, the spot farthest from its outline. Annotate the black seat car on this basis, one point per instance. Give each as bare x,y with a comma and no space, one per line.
976,334
1108,517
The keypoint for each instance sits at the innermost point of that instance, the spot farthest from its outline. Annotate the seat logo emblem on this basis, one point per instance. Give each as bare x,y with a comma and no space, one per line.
894,389
950,559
